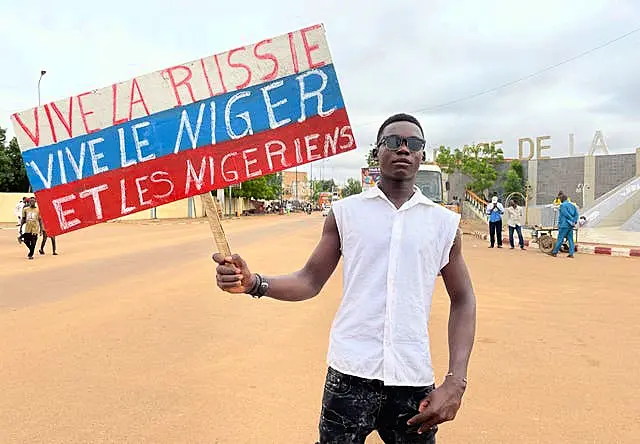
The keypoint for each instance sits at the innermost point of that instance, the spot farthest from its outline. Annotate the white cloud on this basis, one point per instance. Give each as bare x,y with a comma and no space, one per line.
401,56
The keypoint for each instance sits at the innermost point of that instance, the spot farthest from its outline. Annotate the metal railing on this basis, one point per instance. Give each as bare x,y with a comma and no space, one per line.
478,203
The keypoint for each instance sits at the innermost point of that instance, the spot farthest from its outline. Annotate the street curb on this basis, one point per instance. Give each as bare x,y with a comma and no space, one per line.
609,251
605,251
581,248
485,236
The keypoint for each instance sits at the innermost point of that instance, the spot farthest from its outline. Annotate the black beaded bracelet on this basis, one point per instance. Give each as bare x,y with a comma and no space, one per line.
254,290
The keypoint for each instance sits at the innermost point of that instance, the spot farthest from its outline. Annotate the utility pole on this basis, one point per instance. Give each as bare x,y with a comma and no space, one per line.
42,73
311,182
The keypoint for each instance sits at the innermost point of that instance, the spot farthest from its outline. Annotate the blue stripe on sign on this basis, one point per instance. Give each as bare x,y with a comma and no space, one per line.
181,128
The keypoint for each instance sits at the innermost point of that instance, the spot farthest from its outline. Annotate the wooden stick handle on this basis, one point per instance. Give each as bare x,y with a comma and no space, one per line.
216,225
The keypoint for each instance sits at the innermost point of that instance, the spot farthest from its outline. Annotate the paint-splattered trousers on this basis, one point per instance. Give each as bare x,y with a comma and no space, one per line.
352,408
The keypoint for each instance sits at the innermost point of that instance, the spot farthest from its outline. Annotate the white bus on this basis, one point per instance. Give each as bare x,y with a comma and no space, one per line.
430,181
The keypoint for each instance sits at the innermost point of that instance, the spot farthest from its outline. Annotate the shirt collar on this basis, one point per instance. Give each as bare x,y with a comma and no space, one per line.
417,198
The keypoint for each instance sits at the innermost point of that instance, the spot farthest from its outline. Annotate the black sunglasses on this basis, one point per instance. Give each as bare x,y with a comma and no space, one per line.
394,142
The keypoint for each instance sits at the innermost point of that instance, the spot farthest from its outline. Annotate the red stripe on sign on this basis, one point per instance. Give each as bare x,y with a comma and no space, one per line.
145,185
634,252
603,250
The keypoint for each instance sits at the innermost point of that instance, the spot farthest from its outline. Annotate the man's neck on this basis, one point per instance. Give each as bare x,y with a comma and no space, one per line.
397,191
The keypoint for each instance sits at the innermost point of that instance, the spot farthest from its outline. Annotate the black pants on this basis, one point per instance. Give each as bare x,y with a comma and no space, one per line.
495,231
44,242
30,240
517,229
352,408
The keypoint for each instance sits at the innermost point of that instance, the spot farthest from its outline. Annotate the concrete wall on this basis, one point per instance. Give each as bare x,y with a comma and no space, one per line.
189,208
457,185
8,202
564,174
186,208
613,170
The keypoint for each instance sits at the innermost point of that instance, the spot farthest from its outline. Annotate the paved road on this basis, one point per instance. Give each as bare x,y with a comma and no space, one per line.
123,338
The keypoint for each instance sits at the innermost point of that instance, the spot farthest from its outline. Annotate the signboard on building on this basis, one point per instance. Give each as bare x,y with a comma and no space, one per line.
369,175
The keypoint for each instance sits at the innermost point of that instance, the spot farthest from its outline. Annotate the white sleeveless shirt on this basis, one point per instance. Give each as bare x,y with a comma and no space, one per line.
391,259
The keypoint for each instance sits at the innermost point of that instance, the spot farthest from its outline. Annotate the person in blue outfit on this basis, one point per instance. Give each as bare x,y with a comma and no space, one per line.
567,220
495,210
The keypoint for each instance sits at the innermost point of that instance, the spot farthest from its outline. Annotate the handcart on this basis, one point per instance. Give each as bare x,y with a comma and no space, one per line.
546,240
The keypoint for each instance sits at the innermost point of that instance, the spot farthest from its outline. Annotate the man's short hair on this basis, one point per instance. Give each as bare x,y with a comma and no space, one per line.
400,117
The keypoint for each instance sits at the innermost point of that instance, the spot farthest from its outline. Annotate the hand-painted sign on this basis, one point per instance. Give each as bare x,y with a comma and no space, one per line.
184,130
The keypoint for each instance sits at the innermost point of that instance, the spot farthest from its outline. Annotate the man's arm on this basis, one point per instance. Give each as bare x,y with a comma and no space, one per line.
309,280
576,215
462,314
443,403
297,286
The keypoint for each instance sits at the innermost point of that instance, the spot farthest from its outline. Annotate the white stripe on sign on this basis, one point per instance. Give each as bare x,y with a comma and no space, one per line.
177,85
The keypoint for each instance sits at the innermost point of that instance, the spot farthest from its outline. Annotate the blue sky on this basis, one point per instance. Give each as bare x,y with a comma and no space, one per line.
400,56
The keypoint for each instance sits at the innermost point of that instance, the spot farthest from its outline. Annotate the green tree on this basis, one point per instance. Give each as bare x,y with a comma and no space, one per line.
320,186
6,173
259,188
371,161
13,176
476,161
20,179
274,181
514,178
353,186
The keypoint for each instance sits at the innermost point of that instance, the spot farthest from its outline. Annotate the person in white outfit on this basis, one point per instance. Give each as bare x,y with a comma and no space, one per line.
18,213
514,220
394,242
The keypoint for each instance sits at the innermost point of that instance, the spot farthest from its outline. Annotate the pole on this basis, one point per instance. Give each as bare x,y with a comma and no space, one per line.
526,205
42,73
311,193
296,183
281,189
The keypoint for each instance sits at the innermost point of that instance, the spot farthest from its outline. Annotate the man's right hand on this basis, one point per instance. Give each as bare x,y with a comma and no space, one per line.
232,274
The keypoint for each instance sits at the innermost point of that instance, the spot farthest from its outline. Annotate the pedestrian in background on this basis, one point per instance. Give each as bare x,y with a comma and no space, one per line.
567,220
495,210
514,220
44,241
32,223
18,212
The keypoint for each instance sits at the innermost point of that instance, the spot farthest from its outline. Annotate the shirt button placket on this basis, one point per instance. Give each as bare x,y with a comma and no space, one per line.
394,256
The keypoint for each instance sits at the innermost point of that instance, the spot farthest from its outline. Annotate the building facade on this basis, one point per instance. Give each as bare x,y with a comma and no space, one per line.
583,178
295,186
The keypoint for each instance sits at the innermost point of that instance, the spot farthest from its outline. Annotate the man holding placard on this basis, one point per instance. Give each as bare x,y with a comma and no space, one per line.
394,242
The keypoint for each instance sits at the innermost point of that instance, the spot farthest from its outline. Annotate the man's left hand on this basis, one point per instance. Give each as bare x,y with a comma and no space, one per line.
440,405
